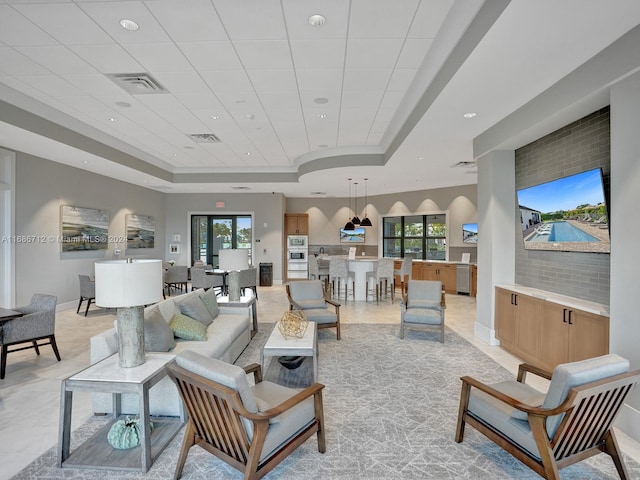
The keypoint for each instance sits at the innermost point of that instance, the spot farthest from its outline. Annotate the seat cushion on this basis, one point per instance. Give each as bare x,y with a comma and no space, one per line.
426,316
417,303
501,416
321,316
290,422
311,304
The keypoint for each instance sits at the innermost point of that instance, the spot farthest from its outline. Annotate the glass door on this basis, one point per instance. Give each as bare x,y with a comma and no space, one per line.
212,233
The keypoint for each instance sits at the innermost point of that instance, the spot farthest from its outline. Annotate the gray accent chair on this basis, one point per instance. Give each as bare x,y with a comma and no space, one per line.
423,306
547,432
87,292
311,297
176,277
37,323
249,279
200,279
252,428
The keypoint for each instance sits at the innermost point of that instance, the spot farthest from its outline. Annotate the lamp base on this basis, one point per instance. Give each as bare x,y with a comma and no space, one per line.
130,322
234,286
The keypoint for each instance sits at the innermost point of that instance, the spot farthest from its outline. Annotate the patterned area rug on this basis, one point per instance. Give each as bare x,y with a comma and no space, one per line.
390,413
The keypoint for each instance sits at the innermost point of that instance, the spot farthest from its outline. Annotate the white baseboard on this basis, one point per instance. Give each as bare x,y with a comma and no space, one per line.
628,421
485,334
67,305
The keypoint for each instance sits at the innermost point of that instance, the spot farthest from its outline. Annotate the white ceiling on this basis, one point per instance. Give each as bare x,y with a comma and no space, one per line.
397,77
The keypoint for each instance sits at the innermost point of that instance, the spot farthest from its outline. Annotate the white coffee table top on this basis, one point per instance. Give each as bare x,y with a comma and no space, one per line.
278,344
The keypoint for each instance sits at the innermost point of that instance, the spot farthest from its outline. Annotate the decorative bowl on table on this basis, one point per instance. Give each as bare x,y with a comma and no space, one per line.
290,362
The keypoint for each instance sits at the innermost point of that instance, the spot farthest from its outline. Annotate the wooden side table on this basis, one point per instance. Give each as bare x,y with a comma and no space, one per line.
108,377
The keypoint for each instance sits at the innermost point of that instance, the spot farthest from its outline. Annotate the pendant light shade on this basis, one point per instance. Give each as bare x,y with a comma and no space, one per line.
356,220
349,225
366,222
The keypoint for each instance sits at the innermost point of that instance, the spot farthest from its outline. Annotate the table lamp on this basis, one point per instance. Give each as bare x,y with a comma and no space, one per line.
128,285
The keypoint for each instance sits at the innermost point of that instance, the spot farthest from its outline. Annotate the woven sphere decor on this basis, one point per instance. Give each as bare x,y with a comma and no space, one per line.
293,324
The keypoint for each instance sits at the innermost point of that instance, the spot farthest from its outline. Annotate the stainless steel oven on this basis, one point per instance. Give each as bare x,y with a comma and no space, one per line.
297,241
297,255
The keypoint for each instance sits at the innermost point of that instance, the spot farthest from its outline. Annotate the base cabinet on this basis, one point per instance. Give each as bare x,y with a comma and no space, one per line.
444,272
547,333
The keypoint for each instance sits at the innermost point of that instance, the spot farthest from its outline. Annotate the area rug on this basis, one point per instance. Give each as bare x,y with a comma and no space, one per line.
390,411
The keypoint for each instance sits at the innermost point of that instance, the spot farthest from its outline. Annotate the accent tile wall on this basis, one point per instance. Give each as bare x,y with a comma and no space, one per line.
577,147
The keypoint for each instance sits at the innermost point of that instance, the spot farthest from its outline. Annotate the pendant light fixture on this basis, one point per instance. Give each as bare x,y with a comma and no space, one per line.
355,220
365,220
349,225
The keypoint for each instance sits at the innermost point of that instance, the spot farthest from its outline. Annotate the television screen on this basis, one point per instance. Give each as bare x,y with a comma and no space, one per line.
567,214
469,233
352,236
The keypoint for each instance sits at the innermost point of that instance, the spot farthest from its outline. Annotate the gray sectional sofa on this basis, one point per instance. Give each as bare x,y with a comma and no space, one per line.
226,337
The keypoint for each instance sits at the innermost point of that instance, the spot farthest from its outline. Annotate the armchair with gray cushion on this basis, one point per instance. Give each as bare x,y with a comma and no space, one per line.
37,323
252,428
547,432
310,297
423,306
249,279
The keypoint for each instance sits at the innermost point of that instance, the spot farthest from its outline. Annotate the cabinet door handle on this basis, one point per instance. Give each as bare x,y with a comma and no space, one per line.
515,299
570,312
564,315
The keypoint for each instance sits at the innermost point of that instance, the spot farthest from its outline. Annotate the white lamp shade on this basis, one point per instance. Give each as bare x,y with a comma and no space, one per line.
233,259
123,284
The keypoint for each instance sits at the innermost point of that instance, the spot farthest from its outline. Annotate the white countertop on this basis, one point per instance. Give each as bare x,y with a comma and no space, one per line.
578,303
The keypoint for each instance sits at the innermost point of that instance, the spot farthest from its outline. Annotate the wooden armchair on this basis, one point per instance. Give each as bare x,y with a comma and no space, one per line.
572,422
423,306
250,428
311,297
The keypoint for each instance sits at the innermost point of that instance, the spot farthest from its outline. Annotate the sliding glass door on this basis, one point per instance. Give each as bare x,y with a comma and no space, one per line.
212,233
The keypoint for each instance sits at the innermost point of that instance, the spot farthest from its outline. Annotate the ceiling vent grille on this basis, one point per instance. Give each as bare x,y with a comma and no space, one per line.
137,83
204,138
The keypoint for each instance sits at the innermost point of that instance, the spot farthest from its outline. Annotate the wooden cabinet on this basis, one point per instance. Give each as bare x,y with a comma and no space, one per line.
296,223
444,272
571,335
473,281
546,333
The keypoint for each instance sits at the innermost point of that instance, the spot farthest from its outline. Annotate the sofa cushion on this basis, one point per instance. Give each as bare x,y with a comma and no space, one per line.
193,307
210,301
158,336
188,328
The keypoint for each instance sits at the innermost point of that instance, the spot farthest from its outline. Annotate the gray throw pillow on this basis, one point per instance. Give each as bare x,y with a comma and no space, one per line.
210,301
158,336
193,307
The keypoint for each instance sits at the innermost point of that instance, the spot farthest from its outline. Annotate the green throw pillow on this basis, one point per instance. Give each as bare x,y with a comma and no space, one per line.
187,328
211,302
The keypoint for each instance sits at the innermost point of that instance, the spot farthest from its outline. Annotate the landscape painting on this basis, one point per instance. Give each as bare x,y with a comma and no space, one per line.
84,229
141,231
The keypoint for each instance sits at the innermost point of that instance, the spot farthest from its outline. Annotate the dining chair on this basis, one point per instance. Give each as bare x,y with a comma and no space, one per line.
87,292
176,276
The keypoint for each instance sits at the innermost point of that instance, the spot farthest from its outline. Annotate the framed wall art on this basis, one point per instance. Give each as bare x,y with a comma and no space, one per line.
84,228
141,231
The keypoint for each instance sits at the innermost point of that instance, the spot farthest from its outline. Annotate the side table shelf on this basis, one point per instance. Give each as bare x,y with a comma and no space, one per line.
96,452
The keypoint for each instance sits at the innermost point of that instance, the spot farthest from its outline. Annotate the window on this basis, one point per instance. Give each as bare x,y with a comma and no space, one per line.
212,233
422,236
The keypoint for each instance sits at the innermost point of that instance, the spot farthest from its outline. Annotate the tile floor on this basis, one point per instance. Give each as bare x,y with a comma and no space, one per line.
30,392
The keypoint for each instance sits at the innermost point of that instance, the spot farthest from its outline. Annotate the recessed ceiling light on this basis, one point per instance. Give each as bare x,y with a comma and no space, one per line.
129,25
123,104
248,154
250,116
85,161
420,158
317,20
321,115
214,117
112,119
321,100
469,115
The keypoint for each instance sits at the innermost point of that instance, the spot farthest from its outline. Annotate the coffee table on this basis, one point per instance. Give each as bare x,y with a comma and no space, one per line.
278,346
107,376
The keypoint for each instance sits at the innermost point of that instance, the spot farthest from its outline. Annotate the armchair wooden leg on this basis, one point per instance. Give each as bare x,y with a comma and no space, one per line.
319,409
188,441
462,410
612,448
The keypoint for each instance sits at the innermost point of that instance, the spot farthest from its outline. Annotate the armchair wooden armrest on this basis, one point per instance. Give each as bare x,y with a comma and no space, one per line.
526,367
256,370
314,390
331,301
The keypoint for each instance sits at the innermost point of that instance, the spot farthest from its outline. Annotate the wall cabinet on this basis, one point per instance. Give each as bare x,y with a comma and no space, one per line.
546,333
296,223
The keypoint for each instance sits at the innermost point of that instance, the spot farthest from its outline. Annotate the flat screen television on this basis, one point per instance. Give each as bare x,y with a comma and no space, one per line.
566,214
352,236
469,233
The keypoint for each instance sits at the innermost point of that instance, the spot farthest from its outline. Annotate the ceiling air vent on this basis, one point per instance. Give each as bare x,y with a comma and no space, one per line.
137,83
204,138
